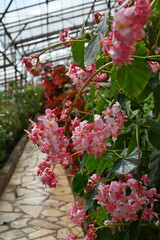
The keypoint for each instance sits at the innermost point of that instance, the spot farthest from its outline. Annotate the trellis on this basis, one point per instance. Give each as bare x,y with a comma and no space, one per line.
25,36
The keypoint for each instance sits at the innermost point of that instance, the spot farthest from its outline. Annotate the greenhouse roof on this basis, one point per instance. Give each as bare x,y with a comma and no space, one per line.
28,27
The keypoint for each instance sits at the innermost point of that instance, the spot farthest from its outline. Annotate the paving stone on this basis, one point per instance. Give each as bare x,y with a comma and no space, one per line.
77,231
40,233
32,200
52,203
34,211
43,223
3,228
27,179
66,198
23,238
52,212
62,232
65,207
15,181
5,206
20,223
59,190
28,230
8,196
47,238
11,235
22,191
8,217
52,219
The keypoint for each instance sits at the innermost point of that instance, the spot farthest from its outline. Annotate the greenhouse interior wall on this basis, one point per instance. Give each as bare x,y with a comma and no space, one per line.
29,27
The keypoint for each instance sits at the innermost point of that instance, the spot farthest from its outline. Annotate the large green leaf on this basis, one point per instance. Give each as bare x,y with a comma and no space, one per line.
92,50
154,166
126,164
154,132
133,78
78,53
79,182
93,46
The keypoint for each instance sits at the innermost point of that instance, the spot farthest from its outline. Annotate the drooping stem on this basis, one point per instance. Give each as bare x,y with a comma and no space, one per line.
139,152
155,58
84,85
59,44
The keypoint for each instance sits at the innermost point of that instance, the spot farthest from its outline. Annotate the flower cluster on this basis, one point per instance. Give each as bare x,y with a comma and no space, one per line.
126,31
91,137
79,76
92,182
90,235
31,66
76,213
127,201
65,36
155,66
50,138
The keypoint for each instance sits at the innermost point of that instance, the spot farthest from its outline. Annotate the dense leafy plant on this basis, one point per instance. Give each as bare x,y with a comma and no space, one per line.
114,138
17,105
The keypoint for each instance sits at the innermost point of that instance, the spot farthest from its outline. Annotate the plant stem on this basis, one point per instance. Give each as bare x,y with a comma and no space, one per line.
139,153
147,58
152,3
59,44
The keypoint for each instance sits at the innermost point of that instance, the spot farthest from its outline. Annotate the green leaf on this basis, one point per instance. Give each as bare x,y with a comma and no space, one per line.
127,164
79,182
91,163
154,132
90,200
104,163
133,78
140,50
104,233
78,53
154,166
92,50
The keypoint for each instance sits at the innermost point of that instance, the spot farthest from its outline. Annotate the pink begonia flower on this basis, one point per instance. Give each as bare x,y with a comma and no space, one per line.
126,31
79,76
76,213
34,68
68,103
70,237
50,138
155,66
92,182
90,235
49,178
93,137
122,205
97,17
65,36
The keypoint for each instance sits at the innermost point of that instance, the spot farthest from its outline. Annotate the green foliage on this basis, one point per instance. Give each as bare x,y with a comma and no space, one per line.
78,53
79,182
126,164
16,108
133,78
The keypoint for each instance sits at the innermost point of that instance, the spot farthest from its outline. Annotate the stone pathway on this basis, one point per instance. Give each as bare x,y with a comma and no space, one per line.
29,210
